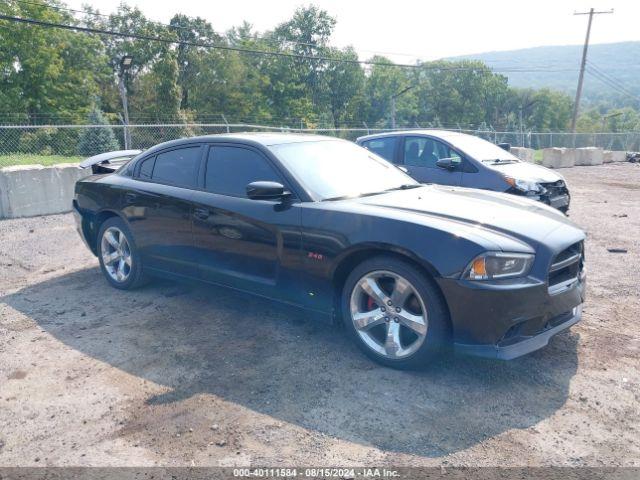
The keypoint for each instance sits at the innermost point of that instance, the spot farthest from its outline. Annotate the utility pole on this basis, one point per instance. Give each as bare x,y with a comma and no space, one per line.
522,108
125,65
521,127
583,64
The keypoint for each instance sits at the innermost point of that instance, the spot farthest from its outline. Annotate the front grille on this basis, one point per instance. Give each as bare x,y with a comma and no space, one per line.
566,268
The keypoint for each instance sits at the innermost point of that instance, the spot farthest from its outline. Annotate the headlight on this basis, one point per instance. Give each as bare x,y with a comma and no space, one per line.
524,185
497,265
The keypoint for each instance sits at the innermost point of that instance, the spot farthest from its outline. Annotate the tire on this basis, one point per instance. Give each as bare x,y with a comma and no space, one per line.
115,242
407,334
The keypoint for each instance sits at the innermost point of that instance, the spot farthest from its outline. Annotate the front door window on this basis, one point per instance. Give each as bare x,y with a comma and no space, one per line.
425,152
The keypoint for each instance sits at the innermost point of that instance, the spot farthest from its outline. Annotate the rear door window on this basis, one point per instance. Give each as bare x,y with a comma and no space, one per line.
385,147
176,167
146,168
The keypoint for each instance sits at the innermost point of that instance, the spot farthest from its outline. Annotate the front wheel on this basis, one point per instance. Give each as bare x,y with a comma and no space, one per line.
394,313
119,259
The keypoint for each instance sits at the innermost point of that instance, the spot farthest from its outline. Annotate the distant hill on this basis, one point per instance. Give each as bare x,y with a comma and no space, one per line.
620,61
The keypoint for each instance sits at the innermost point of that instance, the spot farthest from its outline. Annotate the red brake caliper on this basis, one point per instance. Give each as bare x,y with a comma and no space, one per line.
371,304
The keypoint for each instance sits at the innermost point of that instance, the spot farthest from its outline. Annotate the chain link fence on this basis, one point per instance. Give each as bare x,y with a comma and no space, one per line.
70,143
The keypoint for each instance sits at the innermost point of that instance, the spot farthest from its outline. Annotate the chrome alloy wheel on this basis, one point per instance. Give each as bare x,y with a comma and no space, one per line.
116,254
388,314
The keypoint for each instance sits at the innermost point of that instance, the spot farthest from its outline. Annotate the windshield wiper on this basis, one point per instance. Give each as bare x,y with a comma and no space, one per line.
345,197
498,161
405,186
341,197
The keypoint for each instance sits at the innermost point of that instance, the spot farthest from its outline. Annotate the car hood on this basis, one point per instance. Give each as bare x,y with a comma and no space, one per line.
508,214
527,171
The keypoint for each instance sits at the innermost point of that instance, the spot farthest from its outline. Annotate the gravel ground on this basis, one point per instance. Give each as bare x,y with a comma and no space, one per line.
181,375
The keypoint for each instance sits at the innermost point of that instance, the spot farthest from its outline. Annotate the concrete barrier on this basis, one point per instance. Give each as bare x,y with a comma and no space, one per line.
558,157
609,156
569,155
524,154
589,156
29,190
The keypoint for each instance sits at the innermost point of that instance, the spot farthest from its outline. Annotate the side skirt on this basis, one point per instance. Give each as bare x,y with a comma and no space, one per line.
324,317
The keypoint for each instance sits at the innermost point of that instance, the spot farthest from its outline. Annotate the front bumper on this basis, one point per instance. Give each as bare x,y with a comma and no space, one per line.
560,201
507,320
556,195
525,345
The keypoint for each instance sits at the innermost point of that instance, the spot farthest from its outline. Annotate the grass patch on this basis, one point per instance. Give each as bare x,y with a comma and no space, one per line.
28,159
537,156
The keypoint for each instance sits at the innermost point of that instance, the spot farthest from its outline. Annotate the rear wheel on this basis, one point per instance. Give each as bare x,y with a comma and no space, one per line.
394,313
119,259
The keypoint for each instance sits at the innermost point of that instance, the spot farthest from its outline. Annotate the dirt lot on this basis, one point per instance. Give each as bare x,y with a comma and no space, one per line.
188,375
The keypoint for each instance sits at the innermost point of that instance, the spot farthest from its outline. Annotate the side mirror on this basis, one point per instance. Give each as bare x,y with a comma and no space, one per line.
263,190
447,163
505,146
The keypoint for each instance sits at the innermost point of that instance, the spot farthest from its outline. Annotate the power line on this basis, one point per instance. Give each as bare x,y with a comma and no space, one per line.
599,70
249,51
261,38
165,25
611,84
59,8
100,31
609,81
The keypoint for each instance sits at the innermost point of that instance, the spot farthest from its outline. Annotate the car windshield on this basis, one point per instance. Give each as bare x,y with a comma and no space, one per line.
481,149
336,169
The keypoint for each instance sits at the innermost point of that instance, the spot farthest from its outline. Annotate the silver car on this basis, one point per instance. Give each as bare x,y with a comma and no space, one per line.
452,158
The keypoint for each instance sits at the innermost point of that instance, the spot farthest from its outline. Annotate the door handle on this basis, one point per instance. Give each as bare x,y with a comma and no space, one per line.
130,197
201,213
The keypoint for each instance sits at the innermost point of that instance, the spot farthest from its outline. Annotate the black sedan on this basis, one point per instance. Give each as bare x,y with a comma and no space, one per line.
331,227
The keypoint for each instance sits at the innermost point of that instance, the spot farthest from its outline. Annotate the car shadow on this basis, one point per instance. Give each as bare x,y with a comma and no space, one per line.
274,360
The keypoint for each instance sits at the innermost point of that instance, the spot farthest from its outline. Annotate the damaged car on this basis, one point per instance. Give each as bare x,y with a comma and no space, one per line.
410,270
453,158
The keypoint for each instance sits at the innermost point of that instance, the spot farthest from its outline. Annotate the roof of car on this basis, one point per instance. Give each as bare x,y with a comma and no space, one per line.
249,138
424,131
264,138
275,138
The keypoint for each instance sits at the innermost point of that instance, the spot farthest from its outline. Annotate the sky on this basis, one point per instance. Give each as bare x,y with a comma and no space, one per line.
408,30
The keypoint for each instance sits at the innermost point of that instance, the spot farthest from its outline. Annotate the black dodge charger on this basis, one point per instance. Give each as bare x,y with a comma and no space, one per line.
331,227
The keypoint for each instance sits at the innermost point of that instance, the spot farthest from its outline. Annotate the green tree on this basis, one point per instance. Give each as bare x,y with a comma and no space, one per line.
47,74
157,100
94,141
622,120
383,82
130,20
144,52
463,92
306,34
52,74
189,31
550,110
344,88
228,85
